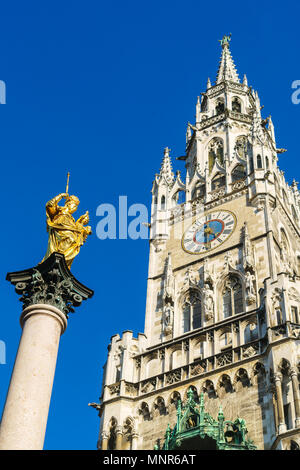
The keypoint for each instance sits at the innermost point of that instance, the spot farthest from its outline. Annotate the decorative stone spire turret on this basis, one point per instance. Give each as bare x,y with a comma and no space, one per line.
198,110
272,131
227,69
257,129
166,168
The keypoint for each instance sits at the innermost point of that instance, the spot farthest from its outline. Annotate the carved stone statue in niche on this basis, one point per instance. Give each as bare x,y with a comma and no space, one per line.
169,283
248,260
285,259
250,292
190,278
168,314
208,302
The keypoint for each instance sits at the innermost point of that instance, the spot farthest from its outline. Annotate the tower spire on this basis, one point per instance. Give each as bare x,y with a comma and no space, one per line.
227,69
166,167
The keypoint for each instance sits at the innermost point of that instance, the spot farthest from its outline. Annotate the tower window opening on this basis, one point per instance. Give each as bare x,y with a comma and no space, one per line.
295,316
250,333
225,340
239,173
232,297
220,107
191,315
179,197
118,374
236,105
286,409
259,161
279,316
267,163
218,182
163,203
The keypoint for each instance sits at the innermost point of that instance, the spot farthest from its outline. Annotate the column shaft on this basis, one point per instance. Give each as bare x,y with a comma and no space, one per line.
26,409
281,422
119,441
295,385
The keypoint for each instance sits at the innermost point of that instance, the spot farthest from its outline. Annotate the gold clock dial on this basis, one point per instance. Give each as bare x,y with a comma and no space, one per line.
209,232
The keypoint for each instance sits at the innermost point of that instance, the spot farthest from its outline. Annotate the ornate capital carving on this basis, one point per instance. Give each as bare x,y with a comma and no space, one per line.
277,377
119,430
50,282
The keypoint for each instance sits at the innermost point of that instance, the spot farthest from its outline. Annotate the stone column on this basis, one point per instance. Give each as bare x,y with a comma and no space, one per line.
134,440
25,414
281,422
295,384
49,292
119,432
104,442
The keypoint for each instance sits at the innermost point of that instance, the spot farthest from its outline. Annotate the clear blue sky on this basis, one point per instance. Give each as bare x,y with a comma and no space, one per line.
99,89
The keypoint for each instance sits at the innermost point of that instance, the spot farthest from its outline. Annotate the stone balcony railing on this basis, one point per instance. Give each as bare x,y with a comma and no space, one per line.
203,366
200,367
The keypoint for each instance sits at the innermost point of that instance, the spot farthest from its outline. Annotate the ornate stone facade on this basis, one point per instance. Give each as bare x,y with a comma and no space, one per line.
223,315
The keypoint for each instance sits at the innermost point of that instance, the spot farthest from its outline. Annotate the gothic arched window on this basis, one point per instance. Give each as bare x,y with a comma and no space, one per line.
225,340
218,182
215,152
267,163
236,105
239,173
179,197
204,104
220,107
191,313
295,214
285,199
250,332
259,161
232,297
163,203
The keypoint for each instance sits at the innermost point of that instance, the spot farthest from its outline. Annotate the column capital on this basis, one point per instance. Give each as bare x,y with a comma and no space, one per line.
104,435
277,377
119,429
52,283
293,371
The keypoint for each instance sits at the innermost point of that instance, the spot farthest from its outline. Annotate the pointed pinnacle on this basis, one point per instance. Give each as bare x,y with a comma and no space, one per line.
227,69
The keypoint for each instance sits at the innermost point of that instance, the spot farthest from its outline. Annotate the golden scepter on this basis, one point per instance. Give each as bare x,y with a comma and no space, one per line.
67,187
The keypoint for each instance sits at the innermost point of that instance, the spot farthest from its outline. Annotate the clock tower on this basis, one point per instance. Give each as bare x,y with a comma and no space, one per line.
218,363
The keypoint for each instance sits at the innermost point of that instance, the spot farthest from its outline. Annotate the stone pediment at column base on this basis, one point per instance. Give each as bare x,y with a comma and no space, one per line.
50,282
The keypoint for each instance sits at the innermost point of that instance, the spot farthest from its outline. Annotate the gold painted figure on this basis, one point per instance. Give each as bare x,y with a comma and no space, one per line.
66,235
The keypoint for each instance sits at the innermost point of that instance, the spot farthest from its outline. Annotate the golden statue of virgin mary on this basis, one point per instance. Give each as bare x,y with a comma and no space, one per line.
66,235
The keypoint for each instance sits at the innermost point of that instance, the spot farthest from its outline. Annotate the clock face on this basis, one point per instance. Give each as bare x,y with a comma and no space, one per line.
209,232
